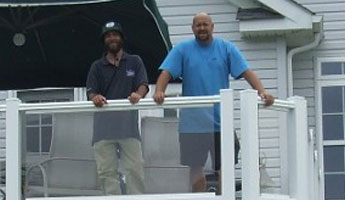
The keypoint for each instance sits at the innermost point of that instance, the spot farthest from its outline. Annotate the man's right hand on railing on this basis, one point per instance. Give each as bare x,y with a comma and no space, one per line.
161,85
158,97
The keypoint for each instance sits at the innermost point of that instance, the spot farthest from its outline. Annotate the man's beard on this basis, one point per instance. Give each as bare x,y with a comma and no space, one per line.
114,47
202,38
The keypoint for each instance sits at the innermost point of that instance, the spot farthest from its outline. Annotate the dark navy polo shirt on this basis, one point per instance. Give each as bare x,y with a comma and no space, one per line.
116,83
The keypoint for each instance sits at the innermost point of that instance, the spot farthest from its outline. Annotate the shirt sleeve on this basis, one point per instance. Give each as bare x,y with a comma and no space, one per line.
141,74
92,85
173,63
238,64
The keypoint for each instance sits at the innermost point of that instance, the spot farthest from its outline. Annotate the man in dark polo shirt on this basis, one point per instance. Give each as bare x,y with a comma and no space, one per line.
117,75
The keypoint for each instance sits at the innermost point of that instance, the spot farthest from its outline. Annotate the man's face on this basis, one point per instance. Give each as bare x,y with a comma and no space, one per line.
202,28
113,41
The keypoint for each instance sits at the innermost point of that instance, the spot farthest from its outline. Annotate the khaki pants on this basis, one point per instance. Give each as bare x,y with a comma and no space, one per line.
131,162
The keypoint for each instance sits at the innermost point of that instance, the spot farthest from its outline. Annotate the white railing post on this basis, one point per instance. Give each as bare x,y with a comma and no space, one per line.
250,145
227,145
313,174
13,150
298,150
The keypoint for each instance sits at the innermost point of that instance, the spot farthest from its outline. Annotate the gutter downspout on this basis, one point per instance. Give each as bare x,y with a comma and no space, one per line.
292,52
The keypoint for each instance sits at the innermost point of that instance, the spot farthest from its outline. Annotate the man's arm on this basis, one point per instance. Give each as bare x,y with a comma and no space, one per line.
161,85
140,81
92,88
256,84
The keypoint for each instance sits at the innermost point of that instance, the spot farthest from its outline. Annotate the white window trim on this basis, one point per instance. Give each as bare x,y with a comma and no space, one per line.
334,143
318,75
321,81
12,93
80,94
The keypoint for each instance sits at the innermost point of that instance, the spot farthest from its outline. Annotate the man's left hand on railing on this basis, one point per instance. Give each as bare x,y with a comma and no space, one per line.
256,84
134,98
269,99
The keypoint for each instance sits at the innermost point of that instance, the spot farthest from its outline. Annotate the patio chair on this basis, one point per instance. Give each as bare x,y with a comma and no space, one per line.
163,171
70,169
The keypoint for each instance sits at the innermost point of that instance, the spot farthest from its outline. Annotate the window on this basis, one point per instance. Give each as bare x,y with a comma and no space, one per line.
333,130
39,127
334,172
331,123
333,112
38,133
332,68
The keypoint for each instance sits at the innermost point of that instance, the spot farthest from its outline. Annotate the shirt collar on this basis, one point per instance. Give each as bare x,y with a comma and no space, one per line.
106,62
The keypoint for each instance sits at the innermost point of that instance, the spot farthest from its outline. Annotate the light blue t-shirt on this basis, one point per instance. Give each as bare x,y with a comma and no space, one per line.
204,70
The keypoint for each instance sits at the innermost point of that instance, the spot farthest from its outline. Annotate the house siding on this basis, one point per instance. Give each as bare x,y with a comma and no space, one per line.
332,45
261,56
3,96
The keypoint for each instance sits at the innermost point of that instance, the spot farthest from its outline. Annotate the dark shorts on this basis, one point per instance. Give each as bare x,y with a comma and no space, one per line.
194,149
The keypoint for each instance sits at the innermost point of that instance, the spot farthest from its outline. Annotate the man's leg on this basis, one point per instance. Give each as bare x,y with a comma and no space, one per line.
107,166
133,165
217,162
219,188
194,150
198,179
215,154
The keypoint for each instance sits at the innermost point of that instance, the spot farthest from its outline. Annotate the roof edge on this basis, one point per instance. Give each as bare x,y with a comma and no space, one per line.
245,4
59,3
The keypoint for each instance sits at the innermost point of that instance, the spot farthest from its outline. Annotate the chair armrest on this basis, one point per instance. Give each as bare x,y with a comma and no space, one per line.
41,164
44,175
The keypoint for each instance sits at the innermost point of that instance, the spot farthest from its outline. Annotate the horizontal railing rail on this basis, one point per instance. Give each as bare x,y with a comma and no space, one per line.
88,106
2,108
279,105
170,102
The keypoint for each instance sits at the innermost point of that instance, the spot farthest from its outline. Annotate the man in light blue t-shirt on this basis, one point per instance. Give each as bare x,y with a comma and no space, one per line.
204,64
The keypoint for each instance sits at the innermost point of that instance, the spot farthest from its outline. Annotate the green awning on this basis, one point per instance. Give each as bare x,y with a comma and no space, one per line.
46,43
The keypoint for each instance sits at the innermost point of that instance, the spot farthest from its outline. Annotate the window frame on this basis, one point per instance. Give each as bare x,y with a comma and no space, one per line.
43,95
327,78
320,82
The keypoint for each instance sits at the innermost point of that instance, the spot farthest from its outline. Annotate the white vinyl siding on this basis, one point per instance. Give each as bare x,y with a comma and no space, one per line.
261,56
332,45
3,96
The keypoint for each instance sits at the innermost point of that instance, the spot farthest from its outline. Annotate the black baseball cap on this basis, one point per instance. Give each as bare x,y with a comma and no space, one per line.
111,26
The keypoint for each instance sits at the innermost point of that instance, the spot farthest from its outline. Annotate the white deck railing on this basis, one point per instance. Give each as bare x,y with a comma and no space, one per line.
298,143
299,164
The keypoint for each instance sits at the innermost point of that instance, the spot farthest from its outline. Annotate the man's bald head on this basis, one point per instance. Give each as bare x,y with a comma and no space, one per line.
203,27
202,15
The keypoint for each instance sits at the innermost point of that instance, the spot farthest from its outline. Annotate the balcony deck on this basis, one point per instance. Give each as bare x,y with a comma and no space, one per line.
299,155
